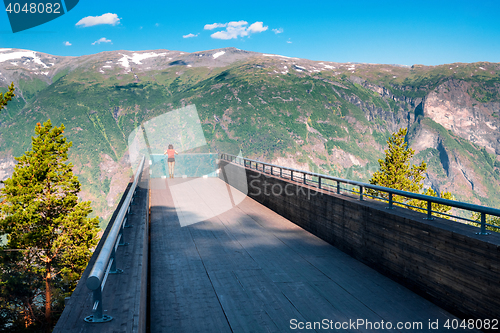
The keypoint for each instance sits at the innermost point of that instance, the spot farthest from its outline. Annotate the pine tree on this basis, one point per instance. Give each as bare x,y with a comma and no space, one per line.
397,172
493,220
4,98
49,236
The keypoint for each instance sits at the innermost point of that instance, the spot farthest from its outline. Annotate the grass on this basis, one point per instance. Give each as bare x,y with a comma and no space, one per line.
381,138
60,74
30,88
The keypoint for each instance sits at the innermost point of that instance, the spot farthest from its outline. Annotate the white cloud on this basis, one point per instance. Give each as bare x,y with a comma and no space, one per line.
190,36
257,27
157,24
230,33
237,23
235,29
67,43
289,42
89,21
278,31
215,25
102,40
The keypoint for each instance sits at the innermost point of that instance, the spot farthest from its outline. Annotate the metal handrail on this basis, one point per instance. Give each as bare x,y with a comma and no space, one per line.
187,154
106,261
184,154
483,210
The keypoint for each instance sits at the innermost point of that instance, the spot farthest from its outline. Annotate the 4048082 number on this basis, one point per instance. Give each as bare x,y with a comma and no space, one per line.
34,8
487,324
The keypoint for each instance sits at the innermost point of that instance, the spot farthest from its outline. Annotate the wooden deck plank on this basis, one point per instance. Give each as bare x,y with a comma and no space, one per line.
217,250
348,272
182,298
247,269
265,295
244,313
282,260
289,233
310,302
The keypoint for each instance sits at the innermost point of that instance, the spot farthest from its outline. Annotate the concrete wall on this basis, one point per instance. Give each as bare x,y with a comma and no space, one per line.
443,261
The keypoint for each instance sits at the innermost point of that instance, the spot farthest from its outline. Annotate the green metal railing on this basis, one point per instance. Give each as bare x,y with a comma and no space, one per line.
106,261
340,186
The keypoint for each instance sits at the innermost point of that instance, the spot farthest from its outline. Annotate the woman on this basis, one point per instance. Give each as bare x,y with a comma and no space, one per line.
171,159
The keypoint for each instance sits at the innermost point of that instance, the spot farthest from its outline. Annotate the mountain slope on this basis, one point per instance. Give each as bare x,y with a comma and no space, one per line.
328,117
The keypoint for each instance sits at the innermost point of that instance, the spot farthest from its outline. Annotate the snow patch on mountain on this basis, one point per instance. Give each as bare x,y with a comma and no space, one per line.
218,54
277,55
136,58
328,66
20,55
124,61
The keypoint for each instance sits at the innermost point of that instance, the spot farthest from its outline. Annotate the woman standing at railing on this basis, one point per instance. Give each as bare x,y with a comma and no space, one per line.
171,159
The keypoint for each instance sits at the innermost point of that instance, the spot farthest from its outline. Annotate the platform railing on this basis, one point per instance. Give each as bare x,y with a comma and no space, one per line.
334,184
186,165
106,261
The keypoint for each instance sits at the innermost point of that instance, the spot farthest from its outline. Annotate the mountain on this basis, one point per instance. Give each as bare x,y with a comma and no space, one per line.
327,117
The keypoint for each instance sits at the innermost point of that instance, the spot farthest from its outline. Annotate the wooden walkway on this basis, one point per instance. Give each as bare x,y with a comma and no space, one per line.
244,268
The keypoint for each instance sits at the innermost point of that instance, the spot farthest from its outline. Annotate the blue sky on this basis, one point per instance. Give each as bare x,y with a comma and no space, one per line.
388,32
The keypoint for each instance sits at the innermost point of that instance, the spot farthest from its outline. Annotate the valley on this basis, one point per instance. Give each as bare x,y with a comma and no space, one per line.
326,117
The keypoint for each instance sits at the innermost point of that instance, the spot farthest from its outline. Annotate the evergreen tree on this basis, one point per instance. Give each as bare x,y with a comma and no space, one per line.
434,206
397,172
49,236
493,220
4,98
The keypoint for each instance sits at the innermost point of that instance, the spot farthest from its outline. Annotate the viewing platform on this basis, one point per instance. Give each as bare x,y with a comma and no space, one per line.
206,255
251,270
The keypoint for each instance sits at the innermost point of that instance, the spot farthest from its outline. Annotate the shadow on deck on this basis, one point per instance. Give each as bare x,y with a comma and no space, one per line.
221,262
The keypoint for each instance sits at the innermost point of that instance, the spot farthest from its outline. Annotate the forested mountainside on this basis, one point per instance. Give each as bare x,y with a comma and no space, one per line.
332,118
